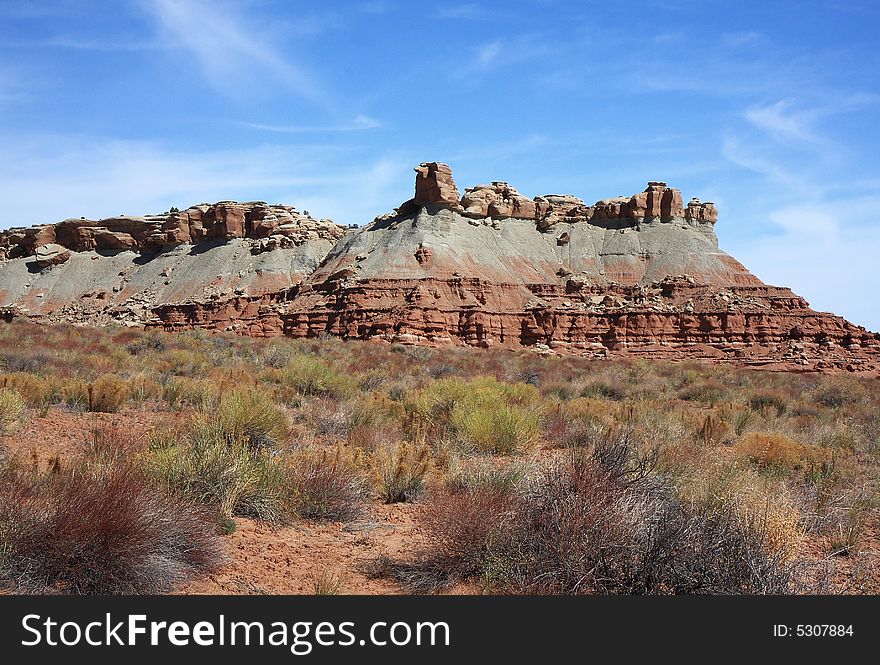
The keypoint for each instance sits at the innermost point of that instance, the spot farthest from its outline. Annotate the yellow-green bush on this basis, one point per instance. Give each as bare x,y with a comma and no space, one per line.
198,393
480,415
108,393
226,475
310,375
250,416
399,471
11,409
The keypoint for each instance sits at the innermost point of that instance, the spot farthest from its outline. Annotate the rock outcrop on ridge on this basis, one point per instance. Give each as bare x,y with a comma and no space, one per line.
119,269
638,275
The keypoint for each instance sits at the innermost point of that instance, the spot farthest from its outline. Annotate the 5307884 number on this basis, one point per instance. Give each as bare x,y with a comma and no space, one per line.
813,630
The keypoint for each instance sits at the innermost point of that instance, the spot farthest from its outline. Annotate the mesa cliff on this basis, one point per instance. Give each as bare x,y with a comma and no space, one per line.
640,274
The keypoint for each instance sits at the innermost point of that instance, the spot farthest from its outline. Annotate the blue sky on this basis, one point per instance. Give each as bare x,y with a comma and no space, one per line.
770,109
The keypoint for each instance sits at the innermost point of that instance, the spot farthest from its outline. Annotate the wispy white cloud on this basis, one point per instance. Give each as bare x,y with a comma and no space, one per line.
233,53
488,53
86,44
360,122
784,123
747,154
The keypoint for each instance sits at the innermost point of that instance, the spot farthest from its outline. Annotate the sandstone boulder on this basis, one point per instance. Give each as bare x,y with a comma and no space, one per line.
113,240
497,200
51,255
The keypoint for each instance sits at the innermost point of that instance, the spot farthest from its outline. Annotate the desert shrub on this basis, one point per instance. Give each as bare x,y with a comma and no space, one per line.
149,343
465,517
847,532
228,476
326,417
372,380
11,409
252,417
560,390
842,436
35,390
375,420
98,529
24,363
481,415
714,430
769,401
500,428
773,450
310,375
603,390
399,471
838,392
720,485
588,525
326,485
742,419
276,355
709,392
108,393
576,422
504,480
178,391
184,362
143,387
326,583
75,394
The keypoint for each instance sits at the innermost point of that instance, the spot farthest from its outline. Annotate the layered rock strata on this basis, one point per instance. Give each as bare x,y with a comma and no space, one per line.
636,275
640,274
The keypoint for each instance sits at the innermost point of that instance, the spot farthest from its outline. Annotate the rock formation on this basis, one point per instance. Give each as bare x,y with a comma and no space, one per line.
120,268
638,274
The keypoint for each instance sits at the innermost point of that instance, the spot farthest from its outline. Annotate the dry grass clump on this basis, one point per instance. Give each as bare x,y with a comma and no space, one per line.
326,484
769,402
36,391
838,392
98,526
228,476
180,391
108,393
600,389
399,471
376,420
252,417
724,486
707,391
12,408
773,450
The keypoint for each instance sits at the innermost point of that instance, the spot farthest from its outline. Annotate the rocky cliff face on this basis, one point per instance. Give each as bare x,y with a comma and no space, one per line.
629,275
119,269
